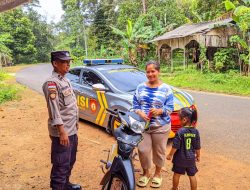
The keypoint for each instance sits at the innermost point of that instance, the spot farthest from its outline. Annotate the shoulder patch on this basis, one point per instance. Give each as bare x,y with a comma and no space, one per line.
52,90
51,86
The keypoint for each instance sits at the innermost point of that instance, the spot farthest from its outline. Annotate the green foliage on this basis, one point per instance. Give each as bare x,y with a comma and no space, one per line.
241,16
128,10
166,12
229,5
229,83
18,25
146,28
244,58
200,10
224,59
7,91
237,39
5,52
103,18
203,59
43,36
3,76
73,27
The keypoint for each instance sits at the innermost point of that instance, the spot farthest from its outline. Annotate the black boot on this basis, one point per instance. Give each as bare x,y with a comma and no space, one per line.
71,186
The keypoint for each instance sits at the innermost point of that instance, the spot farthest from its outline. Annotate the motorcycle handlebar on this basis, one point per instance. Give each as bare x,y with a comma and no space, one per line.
111,111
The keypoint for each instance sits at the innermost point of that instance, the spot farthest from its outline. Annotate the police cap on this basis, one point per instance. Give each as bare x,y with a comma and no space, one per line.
61,55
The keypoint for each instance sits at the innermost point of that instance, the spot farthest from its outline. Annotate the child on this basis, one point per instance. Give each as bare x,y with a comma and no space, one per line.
186,148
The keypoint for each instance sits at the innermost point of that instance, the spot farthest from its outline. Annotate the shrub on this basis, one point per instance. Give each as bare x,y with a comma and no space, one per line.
224,59
3,75
8,92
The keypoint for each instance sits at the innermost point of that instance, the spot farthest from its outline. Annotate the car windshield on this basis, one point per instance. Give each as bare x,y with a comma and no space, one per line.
125,79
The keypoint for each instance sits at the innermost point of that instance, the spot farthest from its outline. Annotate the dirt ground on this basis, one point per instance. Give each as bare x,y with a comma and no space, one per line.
25,153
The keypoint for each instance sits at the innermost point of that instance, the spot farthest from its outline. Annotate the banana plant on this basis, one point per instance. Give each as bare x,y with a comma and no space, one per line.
241,15
138,35
128,40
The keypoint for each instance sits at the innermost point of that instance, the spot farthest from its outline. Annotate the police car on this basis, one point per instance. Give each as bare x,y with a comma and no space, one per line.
107,83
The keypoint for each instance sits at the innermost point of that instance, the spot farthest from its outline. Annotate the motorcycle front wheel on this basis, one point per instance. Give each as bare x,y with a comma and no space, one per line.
117,183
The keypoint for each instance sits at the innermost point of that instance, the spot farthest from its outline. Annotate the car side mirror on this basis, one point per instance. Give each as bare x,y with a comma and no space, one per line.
99,87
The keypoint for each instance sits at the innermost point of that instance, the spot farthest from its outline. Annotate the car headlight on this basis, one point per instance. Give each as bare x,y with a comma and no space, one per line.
136,126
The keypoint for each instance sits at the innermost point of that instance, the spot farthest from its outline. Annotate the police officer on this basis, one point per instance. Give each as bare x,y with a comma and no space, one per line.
62,122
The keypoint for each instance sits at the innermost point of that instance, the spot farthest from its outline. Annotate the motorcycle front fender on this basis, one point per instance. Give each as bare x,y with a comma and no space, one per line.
105,178
125,169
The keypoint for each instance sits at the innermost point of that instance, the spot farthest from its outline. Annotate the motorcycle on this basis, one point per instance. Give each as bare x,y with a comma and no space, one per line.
120,169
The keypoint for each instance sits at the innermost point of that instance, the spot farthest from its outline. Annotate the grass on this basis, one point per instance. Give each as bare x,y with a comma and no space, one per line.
8,91
228,83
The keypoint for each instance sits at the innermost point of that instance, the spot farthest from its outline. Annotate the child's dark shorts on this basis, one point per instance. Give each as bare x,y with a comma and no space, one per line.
191,171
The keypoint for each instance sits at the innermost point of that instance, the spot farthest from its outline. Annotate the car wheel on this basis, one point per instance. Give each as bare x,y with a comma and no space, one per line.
115,123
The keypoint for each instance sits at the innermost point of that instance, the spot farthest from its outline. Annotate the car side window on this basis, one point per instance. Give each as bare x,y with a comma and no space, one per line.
89,78
74,75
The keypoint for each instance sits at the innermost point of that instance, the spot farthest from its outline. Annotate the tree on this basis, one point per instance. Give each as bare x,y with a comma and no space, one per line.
79,14
43,35
128,43
167,12
241,15
145,29
5,52
144,6
21,42
105,16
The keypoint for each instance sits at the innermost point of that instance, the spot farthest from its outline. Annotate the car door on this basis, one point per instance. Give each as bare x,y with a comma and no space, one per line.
91,103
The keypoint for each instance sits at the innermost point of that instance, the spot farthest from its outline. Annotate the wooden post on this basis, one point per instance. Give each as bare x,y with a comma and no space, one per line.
184,60
172,63
159,54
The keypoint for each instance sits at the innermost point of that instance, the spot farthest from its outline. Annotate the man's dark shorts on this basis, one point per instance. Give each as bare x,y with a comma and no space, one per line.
191,171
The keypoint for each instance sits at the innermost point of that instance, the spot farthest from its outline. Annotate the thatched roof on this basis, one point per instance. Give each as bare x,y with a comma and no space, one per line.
190,29
10,4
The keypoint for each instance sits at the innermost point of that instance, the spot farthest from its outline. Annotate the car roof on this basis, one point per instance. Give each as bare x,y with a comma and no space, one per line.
104,67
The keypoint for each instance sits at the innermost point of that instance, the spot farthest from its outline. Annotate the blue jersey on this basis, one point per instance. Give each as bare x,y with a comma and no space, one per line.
186,141
159,97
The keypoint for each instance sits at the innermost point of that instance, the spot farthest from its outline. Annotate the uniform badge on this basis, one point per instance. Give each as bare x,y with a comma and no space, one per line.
67,92
52,96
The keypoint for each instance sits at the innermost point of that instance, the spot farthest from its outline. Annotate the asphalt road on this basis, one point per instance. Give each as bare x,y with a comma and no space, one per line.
224,121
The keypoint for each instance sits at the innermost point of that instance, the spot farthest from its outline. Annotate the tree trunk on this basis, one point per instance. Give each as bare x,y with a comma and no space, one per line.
0,60
239,61
144,6
248,56
132,57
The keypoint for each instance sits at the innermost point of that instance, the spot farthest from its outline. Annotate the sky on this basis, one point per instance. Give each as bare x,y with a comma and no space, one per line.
52,9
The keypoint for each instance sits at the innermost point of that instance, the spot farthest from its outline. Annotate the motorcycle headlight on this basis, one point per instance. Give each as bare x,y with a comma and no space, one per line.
124,122
136,126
